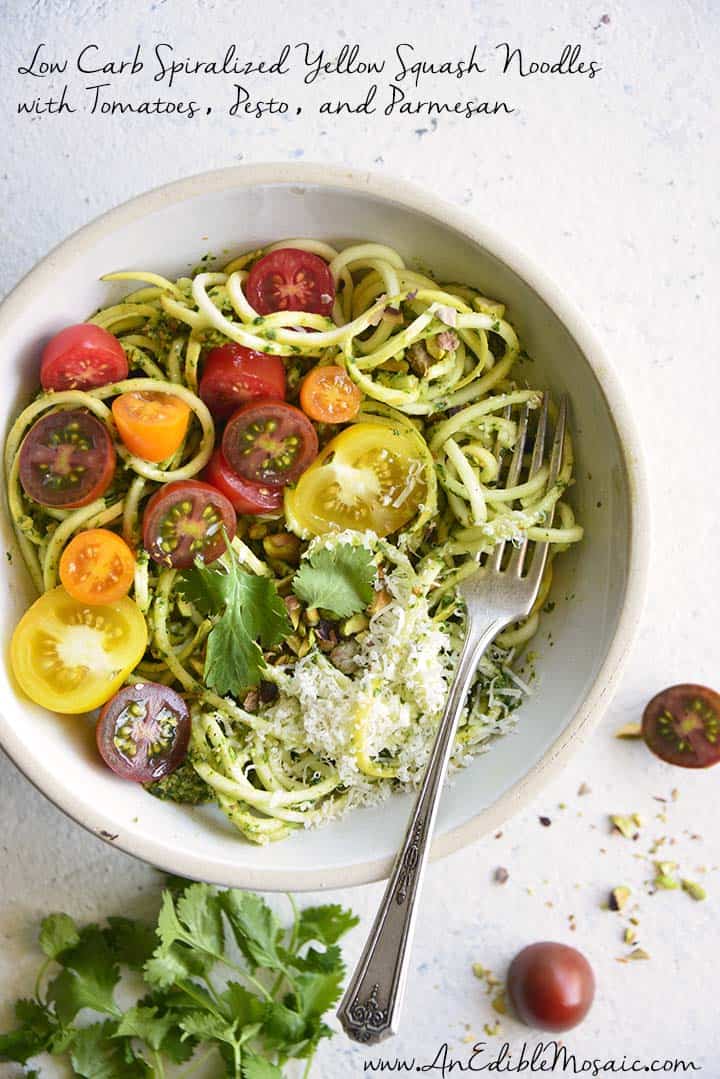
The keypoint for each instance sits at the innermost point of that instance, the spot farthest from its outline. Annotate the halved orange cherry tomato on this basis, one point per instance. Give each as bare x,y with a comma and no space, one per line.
152,425
97,566
329,395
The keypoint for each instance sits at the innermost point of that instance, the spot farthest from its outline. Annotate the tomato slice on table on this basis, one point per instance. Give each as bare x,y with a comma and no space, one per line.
291,280
143,732
245,496
329,395
97,566
368,477
234,374
67,459
269,442
81,357
70,656
184,521
681,725
152,425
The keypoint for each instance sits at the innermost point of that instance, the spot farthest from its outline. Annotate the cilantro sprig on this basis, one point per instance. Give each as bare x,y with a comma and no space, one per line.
221,975
247,612
338,580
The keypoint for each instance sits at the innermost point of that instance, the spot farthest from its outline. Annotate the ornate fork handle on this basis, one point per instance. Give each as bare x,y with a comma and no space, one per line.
371,1006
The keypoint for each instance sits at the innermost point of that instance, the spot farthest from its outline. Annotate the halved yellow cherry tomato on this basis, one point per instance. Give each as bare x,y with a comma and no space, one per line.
368,477
329,395
97,566
72,657
152,425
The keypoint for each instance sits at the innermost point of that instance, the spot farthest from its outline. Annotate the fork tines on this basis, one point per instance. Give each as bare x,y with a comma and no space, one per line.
517,558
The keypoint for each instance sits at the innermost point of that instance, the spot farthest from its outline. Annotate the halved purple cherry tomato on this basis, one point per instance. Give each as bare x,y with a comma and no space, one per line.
269,442
681,725
143,732
246,497
233,374
291,280
80,357
67,459
184,521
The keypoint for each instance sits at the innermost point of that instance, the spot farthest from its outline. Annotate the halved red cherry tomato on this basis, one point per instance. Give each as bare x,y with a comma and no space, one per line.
269,442
291,280
234,374
143,732
184,521
329,395
67,459
551,986
80,357
246,497
681,725
97,566
152,425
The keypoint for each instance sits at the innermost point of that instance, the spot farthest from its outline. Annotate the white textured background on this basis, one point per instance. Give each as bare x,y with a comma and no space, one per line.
611,184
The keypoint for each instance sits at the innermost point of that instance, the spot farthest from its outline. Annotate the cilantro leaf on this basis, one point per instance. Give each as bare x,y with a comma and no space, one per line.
88,980
254,1067
338,580
255,926
315,993
205,587
58,932
95,1055
145,1023
283,1027
35,1028
239,1002
190,936
322,962
131,942
325,924
249,613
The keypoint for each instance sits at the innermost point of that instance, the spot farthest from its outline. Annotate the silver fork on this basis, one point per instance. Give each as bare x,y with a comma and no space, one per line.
495,598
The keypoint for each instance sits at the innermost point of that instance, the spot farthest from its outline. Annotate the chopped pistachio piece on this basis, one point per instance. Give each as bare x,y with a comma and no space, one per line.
479,970
693,889
630,936
629,730
638,953
499,1003
619,897
627,826
494,1030
665,875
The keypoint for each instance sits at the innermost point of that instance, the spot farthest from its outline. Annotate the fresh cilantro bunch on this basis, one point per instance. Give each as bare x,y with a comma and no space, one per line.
246,610
338,580
220,974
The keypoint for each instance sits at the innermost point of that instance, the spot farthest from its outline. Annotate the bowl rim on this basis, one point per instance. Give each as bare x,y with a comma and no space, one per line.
410,196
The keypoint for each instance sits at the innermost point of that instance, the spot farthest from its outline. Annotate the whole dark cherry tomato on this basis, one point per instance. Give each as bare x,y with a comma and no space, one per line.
551,986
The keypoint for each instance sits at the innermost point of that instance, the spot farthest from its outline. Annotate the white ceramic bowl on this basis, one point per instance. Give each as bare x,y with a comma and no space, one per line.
167,230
